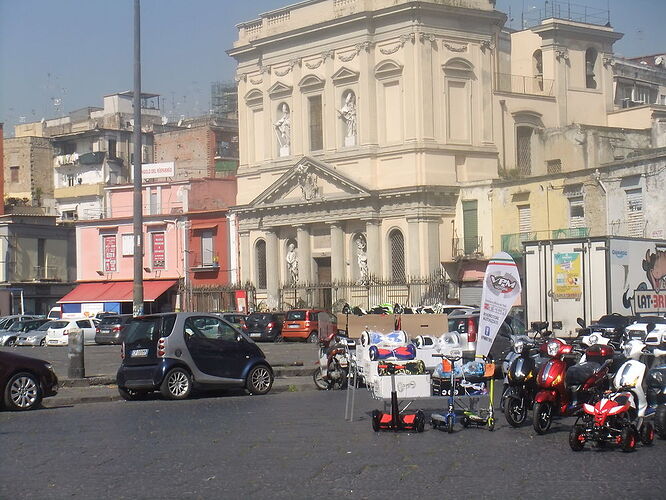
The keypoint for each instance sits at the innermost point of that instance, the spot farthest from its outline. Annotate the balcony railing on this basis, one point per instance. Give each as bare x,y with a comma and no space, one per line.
48,273
467,247
513,243
199,266
529,85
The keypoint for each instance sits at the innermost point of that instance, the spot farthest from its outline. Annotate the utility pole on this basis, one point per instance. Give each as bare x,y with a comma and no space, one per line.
138,198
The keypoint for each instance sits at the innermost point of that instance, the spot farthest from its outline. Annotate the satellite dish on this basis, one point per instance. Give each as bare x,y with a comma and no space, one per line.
659,61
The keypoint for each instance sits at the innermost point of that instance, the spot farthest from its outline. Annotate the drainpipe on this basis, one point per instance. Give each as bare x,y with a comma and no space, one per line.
597,177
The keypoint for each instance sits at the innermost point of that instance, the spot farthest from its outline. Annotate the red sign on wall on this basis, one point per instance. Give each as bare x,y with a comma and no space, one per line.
110,254
158,251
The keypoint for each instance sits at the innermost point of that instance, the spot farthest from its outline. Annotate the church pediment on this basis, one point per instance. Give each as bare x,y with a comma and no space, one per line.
309,180
279,89
345,75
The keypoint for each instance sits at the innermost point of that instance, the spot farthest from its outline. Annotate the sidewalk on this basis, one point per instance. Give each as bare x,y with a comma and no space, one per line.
102,389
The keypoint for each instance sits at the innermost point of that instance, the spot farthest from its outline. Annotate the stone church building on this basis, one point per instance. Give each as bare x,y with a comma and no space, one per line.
362,123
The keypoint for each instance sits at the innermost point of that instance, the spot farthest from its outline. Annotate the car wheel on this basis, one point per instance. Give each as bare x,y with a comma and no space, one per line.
259,381
10,342
177,384
131,394
23,392
42,343
313,338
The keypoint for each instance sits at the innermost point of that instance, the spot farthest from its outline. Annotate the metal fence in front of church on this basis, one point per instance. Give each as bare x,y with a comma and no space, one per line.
412,291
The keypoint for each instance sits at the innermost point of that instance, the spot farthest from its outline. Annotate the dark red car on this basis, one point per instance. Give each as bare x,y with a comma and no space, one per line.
25,381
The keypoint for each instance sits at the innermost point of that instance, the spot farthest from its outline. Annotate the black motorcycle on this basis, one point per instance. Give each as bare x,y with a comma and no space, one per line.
520,381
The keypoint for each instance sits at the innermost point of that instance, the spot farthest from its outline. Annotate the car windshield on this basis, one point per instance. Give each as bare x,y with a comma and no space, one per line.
17,326
111,320
260,317
149,328
295,315
46,326
59,324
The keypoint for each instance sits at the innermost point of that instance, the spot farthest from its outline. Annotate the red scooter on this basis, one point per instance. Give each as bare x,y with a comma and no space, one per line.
562,388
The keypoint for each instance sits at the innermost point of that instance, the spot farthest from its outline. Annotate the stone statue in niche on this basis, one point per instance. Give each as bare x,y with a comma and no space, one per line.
348,115
308,182
292,263
283,130
362,258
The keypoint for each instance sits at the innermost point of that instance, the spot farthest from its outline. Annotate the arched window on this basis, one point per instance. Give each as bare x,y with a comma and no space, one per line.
397,245
260,255
537,63
590,64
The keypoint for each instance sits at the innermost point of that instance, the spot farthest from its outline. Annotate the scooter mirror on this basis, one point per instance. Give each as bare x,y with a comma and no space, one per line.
581,322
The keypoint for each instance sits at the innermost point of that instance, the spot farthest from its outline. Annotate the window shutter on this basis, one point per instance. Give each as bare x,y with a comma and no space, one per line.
635,212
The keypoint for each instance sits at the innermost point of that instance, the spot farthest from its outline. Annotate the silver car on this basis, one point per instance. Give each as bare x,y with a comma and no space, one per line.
8,337
35,337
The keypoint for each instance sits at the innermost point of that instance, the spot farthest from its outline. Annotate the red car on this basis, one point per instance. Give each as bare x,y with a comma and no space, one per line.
24,381
304,324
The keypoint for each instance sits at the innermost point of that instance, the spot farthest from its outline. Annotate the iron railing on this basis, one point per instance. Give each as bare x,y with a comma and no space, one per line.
513,243
467,246
529,85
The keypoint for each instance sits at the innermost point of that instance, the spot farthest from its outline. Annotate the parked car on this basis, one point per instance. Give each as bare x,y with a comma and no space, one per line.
58,332
303,324
7,321
35,337
110,329
8,337
466,323
175,352
25,381
264,326
235,318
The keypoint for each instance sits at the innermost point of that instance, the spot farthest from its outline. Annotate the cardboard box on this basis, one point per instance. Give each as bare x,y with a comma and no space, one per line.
413,324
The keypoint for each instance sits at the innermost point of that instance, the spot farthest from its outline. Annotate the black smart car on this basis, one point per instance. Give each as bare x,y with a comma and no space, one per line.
176,352
110,329
24,381
264,326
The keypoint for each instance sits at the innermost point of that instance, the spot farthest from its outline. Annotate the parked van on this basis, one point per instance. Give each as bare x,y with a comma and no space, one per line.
55,313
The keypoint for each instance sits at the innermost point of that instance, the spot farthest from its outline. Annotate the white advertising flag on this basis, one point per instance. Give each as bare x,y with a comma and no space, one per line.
501,287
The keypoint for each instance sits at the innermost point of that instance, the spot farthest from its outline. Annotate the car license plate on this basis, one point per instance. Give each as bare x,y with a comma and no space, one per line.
293,326
255,335
139,353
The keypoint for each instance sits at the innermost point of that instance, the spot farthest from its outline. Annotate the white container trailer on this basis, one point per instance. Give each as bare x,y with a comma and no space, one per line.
589,277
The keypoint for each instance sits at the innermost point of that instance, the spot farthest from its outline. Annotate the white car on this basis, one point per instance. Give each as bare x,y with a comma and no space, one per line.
58,332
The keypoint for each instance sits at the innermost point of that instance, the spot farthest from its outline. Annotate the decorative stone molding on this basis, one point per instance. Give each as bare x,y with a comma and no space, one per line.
314,65
357,49
292,62
427,37
487,45
256,81
264,69
608,61
455,47
240,78
327,54
562,54
403,40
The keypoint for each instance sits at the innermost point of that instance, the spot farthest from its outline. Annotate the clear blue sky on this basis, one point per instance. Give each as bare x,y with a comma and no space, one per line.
79,50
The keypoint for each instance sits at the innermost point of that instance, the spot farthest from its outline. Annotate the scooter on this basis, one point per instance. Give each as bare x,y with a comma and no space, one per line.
520,380
656,394
562,390
334,360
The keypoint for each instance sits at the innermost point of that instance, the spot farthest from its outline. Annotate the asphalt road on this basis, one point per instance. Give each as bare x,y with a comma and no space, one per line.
297,445
104,360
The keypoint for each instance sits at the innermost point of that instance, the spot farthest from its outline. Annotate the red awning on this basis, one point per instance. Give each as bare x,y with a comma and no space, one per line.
116,291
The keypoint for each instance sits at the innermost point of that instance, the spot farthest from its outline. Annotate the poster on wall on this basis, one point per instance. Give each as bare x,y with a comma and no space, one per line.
158,251
567,279
501,289
110,254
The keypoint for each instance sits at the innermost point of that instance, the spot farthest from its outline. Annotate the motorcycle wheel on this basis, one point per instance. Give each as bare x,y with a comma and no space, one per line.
660,421
420,421
319,380
577,438
647,433
514,412
542,417
629,439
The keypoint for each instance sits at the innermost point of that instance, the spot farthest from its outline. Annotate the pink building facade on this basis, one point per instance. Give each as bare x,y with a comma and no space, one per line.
175,257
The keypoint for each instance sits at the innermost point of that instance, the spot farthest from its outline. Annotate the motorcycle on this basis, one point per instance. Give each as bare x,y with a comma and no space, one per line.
622,416
520,379
562,388
334,360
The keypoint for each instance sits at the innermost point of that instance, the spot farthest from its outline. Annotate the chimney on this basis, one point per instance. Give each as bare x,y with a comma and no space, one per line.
2,170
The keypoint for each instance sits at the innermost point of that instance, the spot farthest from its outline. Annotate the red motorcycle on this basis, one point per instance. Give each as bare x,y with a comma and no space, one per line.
563,388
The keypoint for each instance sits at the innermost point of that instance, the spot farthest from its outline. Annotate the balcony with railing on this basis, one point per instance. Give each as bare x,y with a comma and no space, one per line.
205,265
47,273
513,243
528,85
467,247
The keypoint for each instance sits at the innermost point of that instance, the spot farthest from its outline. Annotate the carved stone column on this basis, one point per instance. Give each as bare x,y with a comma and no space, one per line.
374,253
433,258
304,254
414,247
337,252
272,267
245,257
